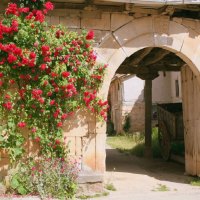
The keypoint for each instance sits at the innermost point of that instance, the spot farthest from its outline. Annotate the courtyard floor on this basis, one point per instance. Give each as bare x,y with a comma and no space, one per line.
147,179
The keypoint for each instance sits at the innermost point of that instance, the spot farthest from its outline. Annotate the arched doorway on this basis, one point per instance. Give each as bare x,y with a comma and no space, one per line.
171,35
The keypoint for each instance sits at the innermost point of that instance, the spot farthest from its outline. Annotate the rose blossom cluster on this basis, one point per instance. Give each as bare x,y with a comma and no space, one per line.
54,74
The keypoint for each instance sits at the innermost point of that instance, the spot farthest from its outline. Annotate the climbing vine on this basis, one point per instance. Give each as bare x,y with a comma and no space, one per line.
46,75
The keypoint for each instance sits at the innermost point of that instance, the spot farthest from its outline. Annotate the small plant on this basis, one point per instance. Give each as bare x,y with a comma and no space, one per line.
103,194
110,186
195,181
161,188
127,124
46,177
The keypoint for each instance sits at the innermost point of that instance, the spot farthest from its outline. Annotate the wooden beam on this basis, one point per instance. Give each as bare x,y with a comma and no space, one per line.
141,56
154,57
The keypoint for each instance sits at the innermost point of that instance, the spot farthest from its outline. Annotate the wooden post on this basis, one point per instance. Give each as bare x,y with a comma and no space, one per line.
148,120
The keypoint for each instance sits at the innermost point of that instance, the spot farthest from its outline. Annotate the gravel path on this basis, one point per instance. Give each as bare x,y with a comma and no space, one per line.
141,179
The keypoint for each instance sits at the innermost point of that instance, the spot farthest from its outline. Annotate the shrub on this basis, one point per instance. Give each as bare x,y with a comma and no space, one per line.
46,177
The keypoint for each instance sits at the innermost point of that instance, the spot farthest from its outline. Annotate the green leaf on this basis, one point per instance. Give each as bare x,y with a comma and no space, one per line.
17,151
22,190
14,182
1,138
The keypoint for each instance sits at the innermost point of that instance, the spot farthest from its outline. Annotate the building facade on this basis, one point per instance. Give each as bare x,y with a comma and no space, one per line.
135,29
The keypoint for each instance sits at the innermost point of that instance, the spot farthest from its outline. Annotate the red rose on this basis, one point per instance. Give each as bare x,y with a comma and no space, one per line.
41,100
59,124
52,102
53,74
45,83
39,16
12,9
33,130
49,94
11,58
32,55
21,124
43,67
7,96
90,35
1,83
1,74
65,74
64,116
24,10
45,48
8,105
57,141
11,81
37,139
48,5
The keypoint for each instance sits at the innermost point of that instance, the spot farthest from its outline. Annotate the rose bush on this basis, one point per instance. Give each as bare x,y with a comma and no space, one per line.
46,75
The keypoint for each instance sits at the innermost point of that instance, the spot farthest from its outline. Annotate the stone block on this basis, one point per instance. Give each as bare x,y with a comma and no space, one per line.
90,188
58,12
119,19
190,48
89,153
178,33
189,23
89,177
101,148
91,14
161,24
71,141
77,125
78,146
4,166
54,20
70,22
134,29
143,41
100,24
196,59
117,58
99,35
48,20
108,47
177,20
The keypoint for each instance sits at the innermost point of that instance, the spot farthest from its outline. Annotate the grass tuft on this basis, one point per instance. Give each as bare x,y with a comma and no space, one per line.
195,181
161,188
103,194
110,187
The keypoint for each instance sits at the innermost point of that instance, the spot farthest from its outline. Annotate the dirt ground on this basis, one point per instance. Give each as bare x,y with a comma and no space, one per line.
147,179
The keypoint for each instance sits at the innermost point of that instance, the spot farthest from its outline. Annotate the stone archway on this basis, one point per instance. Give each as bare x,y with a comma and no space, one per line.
177,35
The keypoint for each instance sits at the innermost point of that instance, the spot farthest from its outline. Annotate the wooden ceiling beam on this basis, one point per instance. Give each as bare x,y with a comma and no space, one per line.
141,56
154,57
